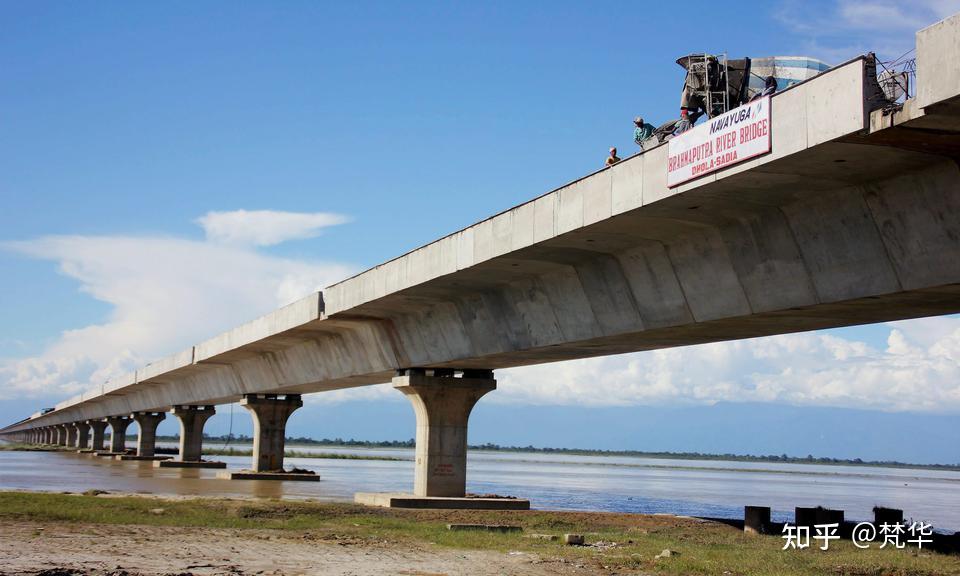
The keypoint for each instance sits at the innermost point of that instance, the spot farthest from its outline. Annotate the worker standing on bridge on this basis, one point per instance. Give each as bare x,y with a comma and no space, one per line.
769,87
642,132
612,158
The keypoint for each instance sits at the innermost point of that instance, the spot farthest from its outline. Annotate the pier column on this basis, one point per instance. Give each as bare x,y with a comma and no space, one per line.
118,433
83,434
97,429
147,437
192,419
442,403
62,435
50,436
270,413
71,434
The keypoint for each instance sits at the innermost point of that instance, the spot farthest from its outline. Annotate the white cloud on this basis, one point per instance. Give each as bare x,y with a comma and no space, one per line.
165,293
265,227
846,28
919,370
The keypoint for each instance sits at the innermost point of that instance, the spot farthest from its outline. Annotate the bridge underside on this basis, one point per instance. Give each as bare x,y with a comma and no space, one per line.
786,248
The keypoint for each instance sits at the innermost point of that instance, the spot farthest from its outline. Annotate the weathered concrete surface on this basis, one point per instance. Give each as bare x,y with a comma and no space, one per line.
442,406
97,429
854,217
270,415
83,435
118,433
147,437
192,419
387,500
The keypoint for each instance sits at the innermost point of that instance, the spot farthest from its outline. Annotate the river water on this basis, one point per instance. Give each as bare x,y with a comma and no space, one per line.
710,488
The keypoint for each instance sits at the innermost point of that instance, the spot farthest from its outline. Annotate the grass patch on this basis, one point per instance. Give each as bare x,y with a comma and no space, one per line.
704,548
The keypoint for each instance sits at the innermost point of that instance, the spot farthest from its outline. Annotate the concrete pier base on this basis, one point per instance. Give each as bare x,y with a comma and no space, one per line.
188,464
756,519
390,500
810,517
273,476
883,516
137,457
109,454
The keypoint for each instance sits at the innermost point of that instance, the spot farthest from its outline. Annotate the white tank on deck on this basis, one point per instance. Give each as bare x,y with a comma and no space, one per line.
788,70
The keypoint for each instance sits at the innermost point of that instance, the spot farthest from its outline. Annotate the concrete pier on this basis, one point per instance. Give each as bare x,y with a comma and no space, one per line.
71,435
147,437
192,419
118,433
62,435
97,429
270,414
83,435
442,404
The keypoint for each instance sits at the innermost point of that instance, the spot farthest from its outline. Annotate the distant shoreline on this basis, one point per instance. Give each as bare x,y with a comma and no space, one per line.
781,459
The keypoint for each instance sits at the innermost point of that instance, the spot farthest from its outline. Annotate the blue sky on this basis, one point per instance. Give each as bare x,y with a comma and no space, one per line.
133,134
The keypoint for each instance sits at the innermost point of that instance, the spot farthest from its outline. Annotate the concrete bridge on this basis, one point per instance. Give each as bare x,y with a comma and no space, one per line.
852,218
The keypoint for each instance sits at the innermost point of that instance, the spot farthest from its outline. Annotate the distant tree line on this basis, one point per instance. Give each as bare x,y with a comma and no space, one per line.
782,458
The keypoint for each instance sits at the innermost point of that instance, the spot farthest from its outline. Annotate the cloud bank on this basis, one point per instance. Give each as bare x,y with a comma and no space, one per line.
165,293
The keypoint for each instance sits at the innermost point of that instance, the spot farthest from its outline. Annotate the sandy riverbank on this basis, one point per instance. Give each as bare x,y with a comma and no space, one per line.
29,548
74,535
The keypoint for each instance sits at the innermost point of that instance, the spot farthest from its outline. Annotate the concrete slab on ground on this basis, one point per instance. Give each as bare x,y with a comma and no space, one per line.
142,458
283,476
396,500
188,464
